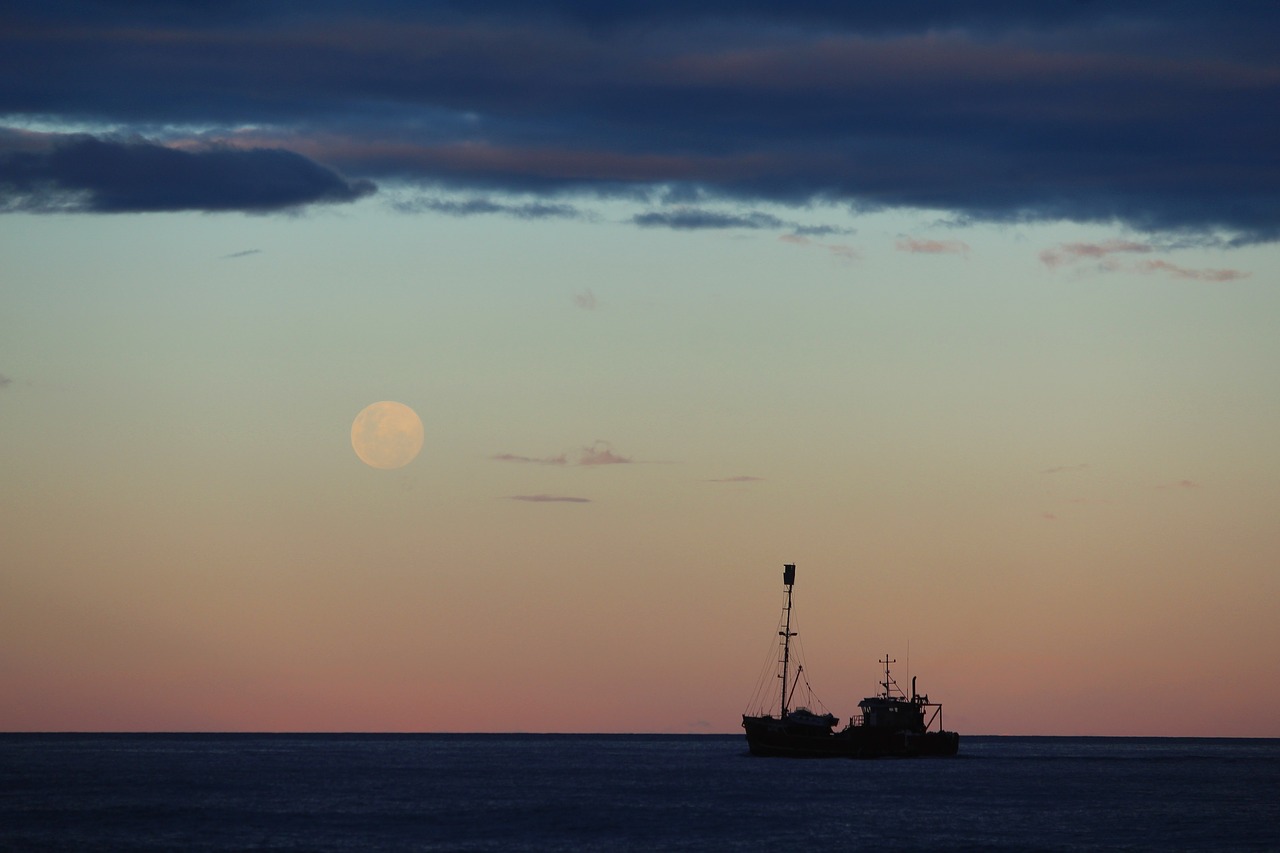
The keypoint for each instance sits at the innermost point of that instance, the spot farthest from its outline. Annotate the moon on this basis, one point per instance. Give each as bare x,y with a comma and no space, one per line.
387,435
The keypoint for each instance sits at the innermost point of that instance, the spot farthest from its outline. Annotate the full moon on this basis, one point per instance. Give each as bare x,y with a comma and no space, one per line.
387,435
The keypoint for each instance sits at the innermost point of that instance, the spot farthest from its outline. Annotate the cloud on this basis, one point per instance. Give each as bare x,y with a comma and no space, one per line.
82,173
1181,484
840,250
692,219
243,254
1069,253
686,218
1197,275
740,479
599,453
562,459
585,300
1156,116
5,381
487,206
550,499
1083,466
820,230
932,247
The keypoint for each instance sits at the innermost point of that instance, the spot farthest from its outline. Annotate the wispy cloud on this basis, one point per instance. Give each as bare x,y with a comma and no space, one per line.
243,254
562,459
740,479
599,453
1060,469
1196,275
840,250
932,247
1106,255
5,381
687,219
1069,253
691,218
1181,484
821,230
542,499
487,207
586,300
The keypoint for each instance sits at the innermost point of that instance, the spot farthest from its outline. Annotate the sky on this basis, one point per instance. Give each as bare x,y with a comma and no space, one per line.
967,309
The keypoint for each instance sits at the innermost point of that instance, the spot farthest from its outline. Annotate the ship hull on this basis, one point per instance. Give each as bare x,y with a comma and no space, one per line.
771,737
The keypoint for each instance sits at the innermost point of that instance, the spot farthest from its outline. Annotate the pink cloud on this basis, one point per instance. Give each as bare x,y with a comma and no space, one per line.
933,247
1069,253
840,250
1197,275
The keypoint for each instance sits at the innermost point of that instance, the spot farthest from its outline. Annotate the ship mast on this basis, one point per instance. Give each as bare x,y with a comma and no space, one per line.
887,678
788,579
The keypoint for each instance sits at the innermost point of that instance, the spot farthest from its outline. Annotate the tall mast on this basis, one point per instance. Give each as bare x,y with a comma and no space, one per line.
788,579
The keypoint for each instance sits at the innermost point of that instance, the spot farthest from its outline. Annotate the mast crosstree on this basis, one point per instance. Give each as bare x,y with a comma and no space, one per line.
888,679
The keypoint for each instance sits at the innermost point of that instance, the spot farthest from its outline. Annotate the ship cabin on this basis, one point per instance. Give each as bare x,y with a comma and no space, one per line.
887,712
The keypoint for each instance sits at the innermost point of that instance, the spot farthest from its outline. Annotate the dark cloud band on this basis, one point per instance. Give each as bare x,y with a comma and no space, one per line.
1156,115
85,173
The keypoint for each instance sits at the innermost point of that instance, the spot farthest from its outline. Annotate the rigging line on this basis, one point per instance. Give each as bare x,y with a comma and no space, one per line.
813,697
801,675
810,699
763,671
762,695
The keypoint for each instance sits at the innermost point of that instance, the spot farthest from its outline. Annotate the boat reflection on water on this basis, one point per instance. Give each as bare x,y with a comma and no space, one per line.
891,724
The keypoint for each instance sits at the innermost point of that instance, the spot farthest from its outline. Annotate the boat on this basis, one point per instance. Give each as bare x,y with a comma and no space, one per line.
890,724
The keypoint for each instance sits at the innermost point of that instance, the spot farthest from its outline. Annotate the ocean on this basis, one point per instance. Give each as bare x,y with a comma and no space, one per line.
439,792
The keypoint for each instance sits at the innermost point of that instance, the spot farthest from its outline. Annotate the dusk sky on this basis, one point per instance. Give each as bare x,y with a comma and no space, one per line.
968,309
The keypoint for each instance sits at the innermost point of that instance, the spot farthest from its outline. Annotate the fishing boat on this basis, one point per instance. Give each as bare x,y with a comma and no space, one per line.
890,724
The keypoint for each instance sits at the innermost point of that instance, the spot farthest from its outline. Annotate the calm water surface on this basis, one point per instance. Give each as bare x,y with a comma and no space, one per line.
627,792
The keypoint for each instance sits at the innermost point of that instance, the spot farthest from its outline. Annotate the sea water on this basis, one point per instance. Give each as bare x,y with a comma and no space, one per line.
132,792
